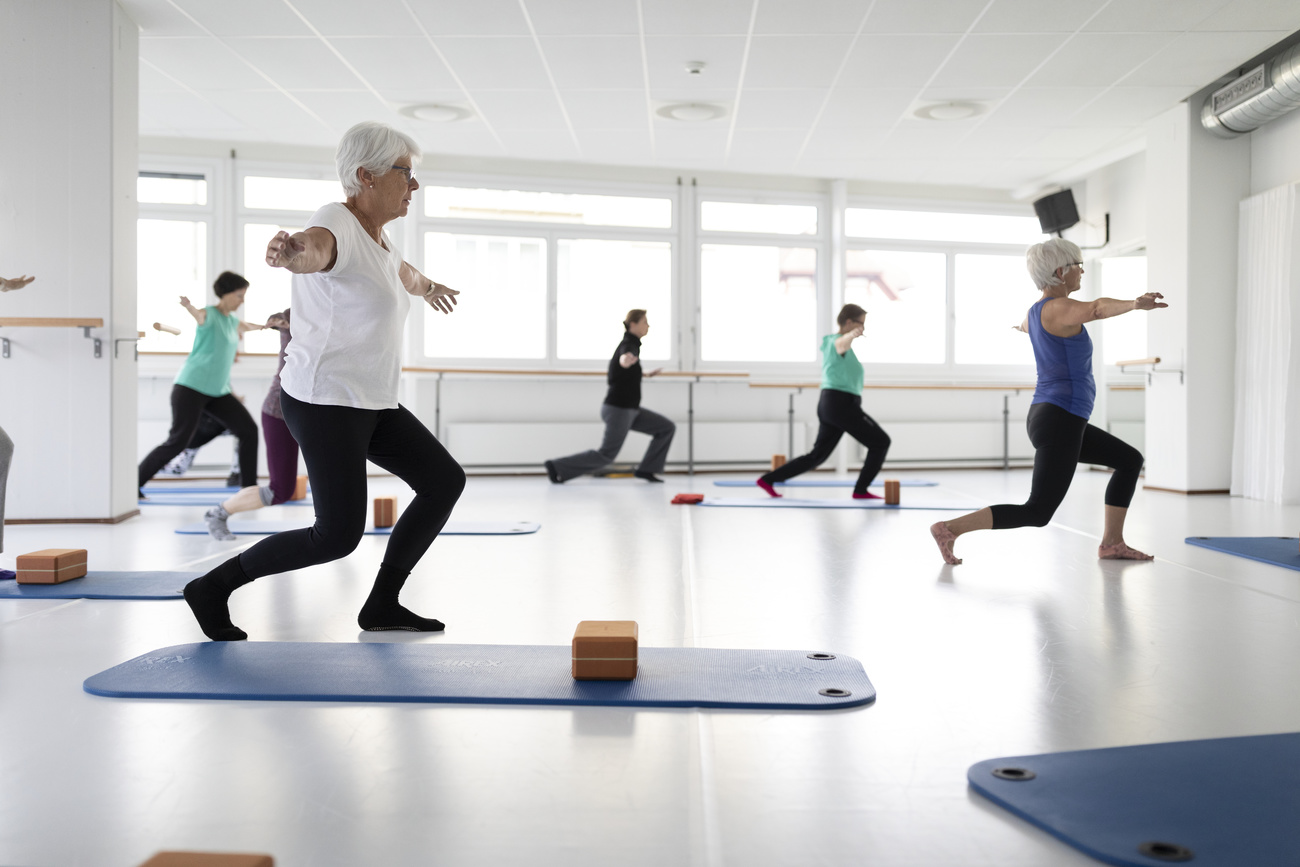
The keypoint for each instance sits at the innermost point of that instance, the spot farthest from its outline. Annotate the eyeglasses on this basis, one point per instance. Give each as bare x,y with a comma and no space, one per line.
407,171
1071,265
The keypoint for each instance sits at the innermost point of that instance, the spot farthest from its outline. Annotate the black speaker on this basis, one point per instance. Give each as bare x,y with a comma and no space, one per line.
1056,212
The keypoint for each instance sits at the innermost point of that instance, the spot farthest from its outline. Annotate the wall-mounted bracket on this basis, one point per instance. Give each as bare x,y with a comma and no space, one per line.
99,344
131,340
4,341
1152,367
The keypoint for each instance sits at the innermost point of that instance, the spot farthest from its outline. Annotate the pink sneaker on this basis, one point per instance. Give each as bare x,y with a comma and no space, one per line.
766,486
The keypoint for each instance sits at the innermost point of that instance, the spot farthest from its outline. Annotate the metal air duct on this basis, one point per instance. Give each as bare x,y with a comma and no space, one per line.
1265,93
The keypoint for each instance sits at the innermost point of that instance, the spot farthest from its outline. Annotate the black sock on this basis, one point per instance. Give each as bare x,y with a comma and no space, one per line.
383,612
207,597
649,477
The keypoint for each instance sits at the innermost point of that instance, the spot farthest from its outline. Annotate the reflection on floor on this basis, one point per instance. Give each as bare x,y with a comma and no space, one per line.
1032,645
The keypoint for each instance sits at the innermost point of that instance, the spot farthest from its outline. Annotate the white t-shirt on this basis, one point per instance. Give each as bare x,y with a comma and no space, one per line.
348,322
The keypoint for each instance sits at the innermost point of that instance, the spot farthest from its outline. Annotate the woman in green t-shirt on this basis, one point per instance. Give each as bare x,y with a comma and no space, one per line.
840,410
203,383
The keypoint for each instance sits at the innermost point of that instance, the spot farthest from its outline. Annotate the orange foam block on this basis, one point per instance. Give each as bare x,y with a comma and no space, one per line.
893,492
51,566
300,489
687,499
385,511
604,650
208,859
778,461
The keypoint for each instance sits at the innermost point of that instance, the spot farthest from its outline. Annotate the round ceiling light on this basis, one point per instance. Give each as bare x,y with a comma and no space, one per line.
691,112
949,111
437,113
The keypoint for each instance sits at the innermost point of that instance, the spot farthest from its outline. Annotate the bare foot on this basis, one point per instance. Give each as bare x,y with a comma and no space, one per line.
771,491
944,538
1121,552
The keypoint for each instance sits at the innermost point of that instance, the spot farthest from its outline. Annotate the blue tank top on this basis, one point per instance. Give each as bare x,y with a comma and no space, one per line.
1064,367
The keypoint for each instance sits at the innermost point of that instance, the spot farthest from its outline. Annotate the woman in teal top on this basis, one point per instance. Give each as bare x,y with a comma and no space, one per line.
203,383
840,410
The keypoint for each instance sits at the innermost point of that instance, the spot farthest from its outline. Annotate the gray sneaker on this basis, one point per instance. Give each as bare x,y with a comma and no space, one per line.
217,529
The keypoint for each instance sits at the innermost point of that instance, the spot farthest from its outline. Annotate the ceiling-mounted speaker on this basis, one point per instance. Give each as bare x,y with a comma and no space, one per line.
1056,212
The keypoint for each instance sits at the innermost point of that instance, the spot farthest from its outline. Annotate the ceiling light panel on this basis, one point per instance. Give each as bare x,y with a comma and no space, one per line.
296,64
1036,16
583,17
404,63
504,63
932,16
203,64
896,61
1096,59
684,17
245,17
993,60
479,18
795,61
594,61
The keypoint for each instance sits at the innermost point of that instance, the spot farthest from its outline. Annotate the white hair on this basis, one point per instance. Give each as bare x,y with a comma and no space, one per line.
372,146
1044,259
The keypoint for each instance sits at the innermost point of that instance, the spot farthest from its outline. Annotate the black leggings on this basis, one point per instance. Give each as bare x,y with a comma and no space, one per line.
1062,440
188,407
336,441
839,413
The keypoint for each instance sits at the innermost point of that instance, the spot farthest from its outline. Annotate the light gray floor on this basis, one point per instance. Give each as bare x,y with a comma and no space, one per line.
1032,645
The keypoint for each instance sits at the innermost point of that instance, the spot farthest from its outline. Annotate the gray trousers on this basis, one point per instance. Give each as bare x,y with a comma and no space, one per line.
618,421
6,455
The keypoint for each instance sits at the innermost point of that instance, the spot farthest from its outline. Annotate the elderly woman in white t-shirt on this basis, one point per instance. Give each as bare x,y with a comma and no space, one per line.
339,389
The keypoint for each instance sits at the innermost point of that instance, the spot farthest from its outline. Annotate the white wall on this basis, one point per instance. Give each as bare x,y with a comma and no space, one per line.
1275,154
68,94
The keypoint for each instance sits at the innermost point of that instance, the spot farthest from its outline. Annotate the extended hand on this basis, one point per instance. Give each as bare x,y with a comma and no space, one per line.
185,302
1149,301
277,321
441,297
8,285
854,333
283,249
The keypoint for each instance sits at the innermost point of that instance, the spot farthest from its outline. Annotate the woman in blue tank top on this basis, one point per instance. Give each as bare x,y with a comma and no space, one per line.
1063,399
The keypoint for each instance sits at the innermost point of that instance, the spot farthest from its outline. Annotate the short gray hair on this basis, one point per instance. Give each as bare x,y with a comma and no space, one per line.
372,146
1043,259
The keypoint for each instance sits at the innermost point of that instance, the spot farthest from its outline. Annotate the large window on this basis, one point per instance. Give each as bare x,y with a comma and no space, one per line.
501,311
171,261
1124,338
598,282
269,289
758,303
758,218
290,194
905,296
992,296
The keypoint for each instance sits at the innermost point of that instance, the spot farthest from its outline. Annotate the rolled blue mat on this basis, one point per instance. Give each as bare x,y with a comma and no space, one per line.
105,585
822,483
486,674
796,503
1281,551
253,527
1226,802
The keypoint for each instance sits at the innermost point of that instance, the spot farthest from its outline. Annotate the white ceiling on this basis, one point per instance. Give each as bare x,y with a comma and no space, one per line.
821,88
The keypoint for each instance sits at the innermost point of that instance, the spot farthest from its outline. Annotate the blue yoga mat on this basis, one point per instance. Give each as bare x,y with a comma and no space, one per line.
1233,802
796,503
484,674
150,490
822,483
105,585
167,498
1277,550
453,528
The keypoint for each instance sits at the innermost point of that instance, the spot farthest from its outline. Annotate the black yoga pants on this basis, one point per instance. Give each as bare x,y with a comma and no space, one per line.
336,441
839,413
1062,441
188,407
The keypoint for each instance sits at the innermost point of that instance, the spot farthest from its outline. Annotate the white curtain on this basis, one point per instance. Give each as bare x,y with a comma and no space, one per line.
1264,467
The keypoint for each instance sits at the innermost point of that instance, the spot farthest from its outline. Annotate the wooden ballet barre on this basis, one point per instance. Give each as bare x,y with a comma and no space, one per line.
169,329
1134,362
51,322
1151,365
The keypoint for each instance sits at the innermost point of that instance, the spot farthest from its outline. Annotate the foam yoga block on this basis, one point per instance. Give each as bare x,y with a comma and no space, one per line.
385,511
485,674
51,566
300,488
778,461
604,650
208,859
687,499
1224,802
893,496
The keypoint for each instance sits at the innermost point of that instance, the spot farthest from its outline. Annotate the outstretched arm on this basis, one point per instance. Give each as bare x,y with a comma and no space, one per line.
9,285
1064,313
844,341
440,297
303,252
200,316
245,327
